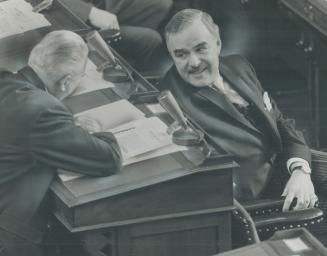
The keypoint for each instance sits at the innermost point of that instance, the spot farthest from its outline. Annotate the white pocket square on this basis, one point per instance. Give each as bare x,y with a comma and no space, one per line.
266,101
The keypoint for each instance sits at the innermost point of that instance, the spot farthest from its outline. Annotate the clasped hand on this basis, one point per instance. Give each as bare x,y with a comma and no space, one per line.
103,19
299,186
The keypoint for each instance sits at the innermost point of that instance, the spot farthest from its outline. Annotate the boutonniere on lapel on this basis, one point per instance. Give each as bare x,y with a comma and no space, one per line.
266,101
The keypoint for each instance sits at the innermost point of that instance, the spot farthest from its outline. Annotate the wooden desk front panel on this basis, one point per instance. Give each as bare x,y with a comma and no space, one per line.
196,192
197,235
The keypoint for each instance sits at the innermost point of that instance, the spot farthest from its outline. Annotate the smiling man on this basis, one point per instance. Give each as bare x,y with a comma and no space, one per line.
224,96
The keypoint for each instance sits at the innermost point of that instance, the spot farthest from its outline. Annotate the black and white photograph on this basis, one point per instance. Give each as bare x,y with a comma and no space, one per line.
163,127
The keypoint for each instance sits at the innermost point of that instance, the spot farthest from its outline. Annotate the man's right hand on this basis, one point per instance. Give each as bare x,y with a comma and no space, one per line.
299,186
88,124
103,19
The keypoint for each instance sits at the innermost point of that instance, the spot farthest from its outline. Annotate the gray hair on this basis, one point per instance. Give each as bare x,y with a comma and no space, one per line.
59,53
187,17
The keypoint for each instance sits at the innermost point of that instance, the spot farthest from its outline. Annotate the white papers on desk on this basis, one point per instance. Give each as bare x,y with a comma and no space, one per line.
143,139
67,176
155,108
139,138
17,16
109,116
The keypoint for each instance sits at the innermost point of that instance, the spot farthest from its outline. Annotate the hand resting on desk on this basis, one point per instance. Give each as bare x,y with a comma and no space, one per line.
88,124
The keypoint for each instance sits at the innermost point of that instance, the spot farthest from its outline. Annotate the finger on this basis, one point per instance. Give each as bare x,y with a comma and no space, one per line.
300,204
307,201
102,25
110,26
116,25
115,22
313,201
285,192
287,203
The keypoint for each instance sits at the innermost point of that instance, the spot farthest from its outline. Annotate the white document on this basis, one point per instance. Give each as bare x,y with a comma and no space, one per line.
17,16
296,244
165,150
67,176
143,139
155,108
108,116
140,136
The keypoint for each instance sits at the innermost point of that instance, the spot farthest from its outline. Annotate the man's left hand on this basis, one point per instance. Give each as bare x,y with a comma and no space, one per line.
299,186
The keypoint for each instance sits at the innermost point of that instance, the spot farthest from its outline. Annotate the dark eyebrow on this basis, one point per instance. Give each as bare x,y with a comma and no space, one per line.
196,46
201,45
179,51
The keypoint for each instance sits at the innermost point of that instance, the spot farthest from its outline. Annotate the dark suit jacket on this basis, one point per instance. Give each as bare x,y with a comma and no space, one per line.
142,13
254,149
37,136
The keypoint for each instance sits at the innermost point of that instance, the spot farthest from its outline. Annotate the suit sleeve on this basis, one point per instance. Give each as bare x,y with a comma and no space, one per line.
55,140
79,7
293,142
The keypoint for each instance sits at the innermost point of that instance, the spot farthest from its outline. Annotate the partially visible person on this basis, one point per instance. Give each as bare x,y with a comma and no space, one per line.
137,20
223,95
38,136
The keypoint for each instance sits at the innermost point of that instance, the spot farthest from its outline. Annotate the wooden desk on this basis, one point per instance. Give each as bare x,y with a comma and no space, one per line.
164,206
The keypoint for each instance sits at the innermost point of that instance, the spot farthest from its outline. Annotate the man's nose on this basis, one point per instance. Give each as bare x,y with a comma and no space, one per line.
194,60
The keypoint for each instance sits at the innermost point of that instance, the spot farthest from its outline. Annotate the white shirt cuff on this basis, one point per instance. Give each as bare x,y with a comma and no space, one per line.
295,162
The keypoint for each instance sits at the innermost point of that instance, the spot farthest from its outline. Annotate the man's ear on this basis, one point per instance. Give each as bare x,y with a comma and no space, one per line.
64,83
62,87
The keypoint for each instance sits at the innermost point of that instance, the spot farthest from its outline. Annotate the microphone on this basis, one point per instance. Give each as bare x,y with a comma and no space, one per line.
186,134
96,42
105,60
169,103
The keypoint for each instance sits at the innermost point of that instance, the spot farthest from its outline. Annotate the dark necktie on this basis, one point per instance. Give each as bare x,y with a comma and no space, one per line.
251,113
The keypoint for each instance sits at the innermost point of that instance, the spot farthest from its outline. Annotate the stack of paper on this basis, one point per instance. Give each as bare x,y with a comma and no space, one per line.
144,139
139,138
17,16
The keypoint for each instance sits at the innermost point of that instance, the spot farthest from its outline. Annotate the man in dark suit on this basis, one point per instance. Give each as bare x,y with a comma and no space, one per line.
38,136
224,96
137,20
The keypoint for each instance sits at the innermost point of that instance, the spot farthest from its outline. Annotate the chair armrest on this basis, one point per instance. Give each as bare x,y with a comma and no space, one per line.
267,217
263,206
267,224
288,219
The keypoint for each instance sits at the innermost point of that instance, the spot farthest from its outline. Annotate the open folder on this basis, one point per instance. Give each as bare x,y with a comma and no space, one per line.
139,138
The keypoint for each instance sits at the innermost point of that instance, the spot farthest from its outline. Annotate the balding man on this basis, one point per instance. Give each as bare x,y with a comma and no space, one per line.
224,96
38,135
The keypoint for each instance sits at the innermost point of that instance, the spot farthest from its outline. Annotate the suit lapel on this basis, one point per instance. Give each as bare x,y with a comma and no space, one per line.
29,74
224,104
252,96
